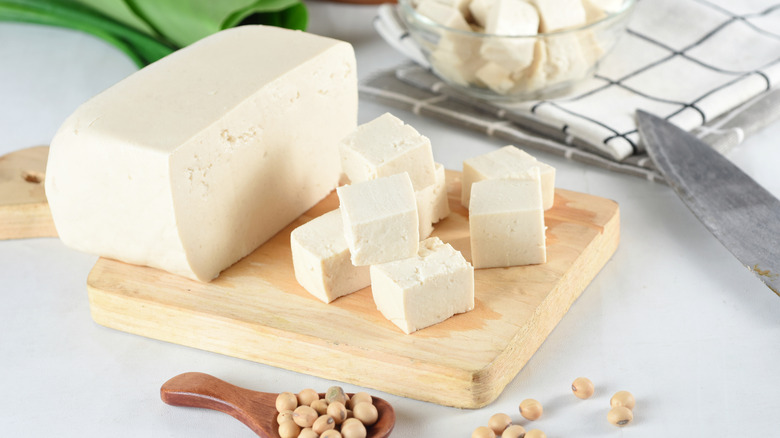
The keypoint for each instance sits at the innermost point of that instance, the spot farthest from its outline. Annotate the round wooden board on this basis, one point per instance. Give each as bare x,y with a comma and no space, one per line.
24,212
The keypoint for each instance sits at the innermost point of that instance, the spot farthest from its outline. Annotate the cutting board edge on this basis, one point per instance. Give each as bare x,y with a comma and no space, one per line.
445,384
25,221
24,212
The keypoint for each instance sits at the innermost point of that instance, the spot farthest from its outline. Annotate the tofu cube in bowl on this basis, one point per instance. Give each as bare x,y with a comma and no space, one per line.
515,49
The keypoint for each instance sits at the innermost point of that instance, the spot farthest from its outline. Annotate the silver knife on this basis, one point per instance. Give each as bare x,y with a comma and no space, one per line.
744,216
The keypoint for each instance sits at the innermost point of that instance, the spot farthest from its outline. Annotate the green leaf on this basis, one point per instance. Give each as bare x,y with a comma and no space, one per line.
119,11
184,22
141,48
262,8
147,30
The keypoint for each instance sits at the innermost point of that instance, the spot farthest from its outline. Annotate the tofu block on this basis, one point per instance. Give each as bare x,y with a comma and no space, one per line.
559,14
424,290
321,259
506,222
507,162
448,15
516,18
177,166
386,146
380,219
496,77
432,203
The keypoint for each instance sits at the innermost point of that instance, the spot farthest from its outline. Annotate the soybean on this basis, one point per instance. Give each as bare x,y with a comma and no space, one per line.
620,415
499,423
289,429
366,413
530,409
286,401
304,416
354,429
535,433
337,411
483,432
333,433
514,431
582,387
623,398
308,433
321,406
359,397
336,393
307,396
323,423
284,416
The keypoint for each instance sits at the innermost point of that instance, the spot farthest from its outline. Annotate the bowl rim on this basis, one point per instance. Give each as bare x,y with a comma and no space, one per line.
407,9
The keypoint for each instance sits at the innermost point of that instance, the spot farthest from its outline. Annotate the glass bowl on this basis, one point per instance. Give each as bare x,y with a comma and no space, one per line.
514,68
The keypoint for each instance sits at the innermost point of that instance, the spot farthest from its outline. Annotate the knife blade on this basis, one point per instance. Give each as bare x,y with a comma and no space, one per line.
744,216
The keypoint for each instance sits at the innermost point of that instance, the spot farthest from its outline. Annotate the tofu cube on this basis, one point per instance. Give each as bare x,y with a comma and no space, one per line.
496,77
591,48
506,222
593,11
559,14
516,18
321,259
432,203
605,6
564,59
507,162
445,14
479,10
441,202
456,57
461,6
424,290
533,77
460,69
425,211
386,146
380,219
512,17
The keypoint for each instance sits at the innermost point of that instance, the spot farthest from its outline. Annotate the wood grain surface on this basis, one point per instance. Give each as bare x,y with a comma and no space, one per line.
24,211
255,310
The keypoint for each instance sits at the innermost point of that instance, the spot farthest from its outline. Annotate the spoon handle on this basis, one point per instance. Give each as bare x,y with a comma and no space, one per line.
200,390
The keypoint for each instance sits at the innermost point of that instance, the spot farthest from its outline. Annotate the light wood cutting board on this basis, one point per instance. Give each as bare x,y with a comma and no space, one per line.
24,211
255,310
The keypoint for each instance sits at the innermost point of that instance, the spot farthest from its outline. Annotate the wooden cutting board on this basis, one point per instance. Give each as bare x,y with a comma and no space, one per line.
23,209
255,310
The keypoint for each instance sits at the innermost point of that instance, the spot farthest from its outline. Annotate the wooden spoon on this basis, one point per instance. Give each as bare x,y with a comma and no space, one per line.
255,409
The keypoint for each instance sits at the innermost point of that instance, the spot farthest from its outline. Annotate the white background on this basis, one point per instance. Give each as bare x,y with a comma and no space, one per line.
673,317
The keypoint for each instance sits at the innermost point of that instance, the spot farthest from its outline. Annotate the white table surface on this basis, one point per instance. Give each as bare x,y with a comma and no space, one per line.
673,317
